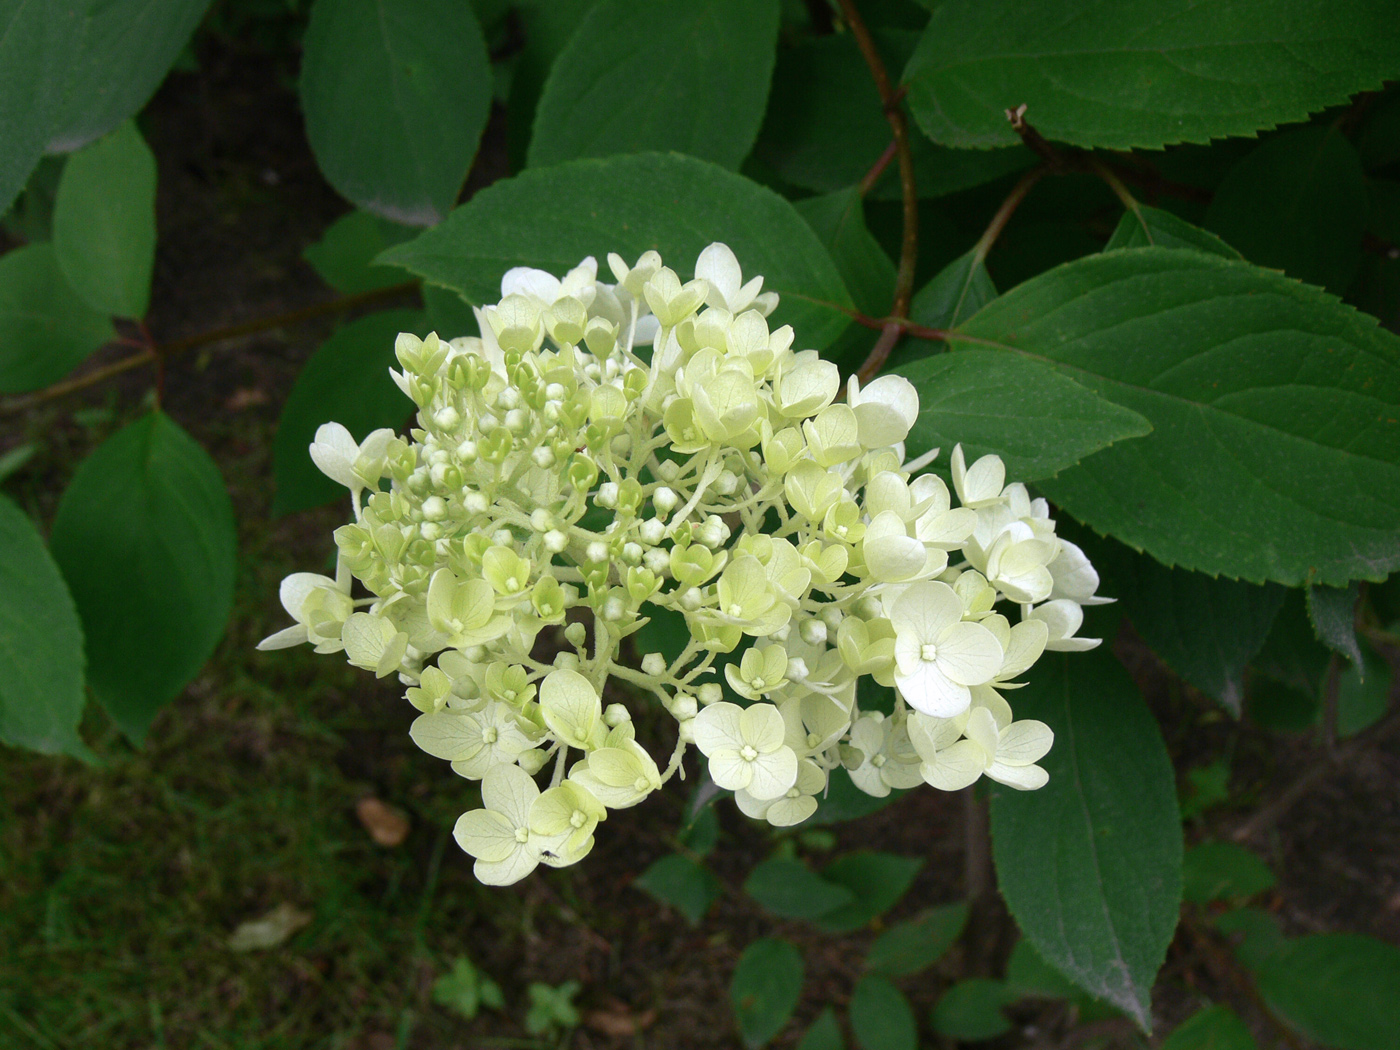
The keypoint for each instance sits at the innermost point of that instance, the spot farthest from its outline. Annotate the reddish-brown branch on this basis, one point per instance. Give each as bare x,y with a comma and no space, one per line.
1008,208
890,100
162,353
878,168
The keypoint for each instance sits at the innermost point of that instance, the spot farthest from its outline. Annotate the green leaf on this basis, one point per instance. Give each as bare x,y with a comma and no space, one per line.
701,834
881,1017
688,887
1027,974
791,890
1275,451
1297,203
956,292
1038,420
1216,871
46,328
764,989
1147,227
970,1010
145,537
449,315
1338,989
465,990
844,801
824,1034
553,217
396,94
1273,705
104,222
838,219
1363,693
913,945
345,254
1256,935
41,644
876,881
121,53
13,461
826,128
665,75
1204,629
1141,73
37,38
1291,652
547,26
1332,612
1378,142
1214,1028
1090,865
347,382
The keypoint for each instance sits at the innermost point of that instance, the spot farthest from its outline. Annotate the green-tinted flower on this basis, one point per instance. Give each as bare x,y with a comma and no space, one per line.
563,819
746,749
572,709
498,834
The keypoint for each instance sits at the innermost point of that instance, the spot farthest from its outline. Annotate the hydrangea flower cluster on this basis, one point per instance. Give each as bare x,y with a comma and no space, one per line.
564,478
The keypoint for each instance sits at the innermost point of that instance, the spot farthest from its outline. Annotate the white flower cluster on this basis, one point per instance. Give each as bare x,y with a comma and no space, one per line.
564,476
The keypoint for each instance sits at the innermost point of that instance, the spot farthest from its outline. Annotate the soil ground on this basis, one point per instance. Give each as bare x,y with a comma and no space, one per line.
121,884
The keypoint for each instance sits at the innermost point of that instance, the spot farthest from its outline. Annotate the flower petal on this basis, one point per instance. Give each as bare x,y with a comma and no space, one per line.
929,690
717,728
1024,742
1022,778
773,774
486,835
956,767
969,654
510,791
763,728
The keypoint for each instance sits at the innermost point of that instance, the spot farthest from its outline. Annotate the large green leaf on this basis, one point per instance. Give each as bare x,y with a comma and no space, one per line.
145,537
826,127
838,219
1296,203
37,38
1338,989
1090,865
1275,450
122,52
1204,629
396,94
41,644
104,222
664,75
553,217
346,382
765,988
1038,420
1146,227
46,328
547,26
1142,73
954,294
